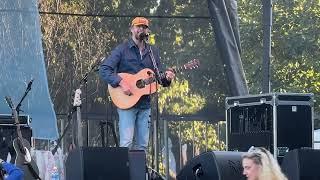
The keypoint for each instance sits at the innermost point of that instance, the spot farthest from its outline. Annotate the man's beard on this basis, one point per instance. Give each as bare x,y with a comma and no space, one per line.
138,37
143,36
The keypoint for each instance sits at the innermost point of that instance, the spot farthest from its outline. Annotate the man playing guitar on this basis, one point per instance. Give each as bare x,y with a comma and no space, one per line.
131,57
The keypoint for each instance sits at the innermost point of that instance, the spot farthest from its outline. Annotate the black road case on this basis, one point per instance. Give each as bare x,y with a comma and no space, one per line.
279,122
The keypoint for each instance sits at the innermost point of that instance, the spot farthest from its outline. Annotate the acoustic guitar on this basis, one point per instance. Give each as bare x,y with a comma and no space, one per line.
22,148
141,83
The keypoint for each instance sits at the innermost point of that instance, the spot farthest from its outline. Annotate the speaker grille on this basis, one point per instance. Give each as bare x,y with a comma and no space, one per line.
218,165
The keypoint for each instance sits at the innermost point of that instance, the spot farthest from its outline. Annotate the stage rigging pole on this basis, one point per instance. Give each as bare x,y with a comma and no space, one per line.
267,26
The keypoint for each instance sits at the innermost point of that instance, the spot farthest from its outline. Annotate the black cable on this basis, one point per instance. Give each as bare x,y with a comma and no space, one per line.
126,16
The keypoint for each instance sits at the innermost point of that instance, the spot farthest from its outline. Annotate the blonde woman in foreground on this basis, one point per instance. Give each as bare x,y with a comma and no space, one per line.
259,164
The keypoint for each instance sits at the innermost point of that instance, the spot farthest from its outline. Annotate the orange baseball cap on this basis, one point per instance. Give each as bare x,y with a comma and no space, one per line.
140,21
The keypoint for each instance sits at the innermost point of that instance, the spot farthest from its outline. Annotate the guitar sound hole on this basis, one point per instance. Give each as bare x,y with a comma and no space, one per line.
140,84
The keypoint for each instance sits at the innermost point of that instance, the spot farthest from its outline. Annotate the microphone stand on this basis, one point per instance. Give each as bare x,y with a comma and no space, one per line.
76,107
156,122
24,95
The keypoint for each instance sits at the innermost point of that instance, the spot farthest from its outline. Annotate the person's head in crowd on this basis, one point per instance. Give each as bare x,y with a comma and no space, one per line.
140,28
259,164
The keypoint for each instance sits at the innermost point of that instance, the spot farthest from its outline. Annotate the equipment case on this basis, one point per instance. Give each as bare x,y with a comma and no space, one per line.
279,122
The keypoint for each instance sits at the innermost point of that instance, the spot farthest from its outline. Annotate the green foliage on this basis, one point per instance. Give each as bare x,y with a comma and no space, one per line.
70,50
296,48
295,45
299,77
203,136
179,100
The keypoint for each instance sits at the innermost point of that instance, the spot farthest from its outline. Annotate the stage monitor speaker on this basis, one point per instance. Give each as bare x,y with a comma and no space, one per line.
138,167
217,165
302,164
98,163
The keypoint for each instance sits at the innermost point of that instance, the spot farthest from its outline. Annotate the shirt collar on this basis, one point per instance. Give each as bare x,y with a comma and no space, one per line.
132,43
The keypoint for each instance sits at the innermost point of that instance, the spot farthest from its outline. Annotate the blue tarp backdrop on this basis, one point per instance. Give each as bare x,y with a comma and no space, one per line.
21,57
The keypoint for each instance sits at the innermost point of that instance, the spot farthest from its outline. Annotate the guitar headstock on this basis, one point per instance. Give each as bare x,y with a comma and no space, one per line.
9,102
193,64
77,99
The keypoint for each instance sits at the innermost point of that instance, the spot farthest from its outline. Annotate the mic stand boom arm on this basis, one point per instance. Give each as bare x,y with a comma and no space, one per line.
24,95
73,108
76,106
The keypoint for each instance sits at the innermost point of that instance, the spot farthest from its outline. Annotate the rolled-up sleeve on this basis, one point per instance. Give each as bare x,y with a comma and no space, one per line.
108,69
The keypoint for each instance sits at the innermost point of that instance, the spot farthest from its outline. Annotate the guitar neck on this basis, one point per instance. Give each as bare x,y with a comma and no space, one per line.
178,69
19,132
16,119
190,65
15,115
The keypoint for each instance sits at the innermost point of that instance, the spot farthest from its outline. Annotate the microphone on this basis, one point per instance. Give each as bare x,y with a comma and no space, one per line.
143,36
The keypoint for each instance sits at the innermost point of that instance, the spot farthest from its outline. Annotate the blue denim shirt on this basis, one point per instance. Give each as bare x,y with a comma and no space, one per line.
126,58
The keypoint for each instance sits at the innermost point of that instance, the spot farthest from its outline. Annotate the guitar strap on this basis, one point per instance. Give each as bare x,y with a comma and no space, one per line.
34,173
154,63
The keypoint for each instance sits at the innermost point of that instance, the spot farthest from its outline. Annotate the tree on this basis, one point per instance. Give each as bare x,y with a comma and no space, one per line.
295,45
